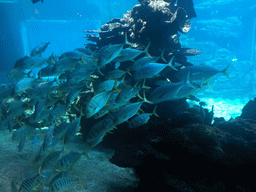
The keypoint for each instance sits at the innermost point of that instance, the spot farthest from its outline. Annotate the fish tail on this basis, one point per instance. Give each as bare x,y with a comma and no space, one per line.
146,51
126,40
162,56
128,71
207,85
225,71
154,112
170,64
144,98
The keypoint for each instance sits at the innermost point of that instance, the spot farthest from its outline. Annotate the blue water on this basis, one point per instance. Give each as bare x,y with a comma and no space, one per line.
224,31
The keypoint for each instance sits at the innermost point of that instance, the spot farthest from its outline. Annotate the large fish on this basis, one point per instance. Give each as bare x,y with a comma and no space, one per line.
29,62
130,54
144,60
38,50
151,69
96,103
199,72
172,91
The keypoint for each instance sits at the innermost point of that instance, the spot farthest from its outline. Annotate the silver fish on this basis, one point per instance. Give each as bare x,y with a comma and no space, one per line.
198,72
24,84
141,119
96,103
72,130
151,69
30,62
71,54
38,50
130,54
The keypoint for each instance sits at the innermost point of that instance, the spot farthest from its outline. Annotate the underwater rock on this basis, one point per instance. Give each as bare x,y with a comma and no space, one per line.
249,110
155,22
221,151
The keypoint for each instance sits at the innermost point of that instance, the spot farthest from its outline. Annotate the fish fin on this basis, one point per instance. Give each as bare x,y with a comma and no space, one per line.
139,96
144,98
207,84
100,72
162,56
126,40
170,64
123,80
146,51
128,71
154,111
82,58
28,74
225,71
144,86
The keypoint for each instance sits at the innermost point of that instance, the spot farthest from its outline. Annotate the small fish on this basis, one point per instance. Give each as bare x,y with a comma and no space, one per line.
144,60
17,74
24,84
35,1
104,86
59,175
38,50
18,134
48,137
172,91
39,108
72,95
79,75
115,74
108,53
41,90
141,119
151,69
6,91
62,184
99,129
68,161
96,103
71,54
125,95
128,111
57,112
52,59
199,72
22,143
84,50
117,65
130,54
72,130
46,71
60,130
28,184
44,176
29,62
50,160
63,65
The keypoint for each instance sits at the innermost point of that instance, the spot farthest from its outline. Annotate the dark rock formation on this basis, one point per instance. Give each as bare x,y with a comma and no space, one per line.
192,157
249,110
155,22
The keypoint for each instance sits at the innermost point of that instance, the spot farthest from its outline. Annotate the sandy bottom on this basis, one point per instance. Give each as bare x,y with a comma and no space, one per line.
97,173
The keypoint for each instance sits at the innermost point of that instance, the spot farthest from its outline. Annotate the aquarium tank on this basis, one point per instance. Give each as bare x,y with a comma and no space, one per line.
125,96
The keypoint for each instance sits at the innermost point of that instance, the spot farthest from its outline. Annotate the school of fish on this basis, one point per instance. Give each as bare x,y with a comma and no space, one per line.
47,92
